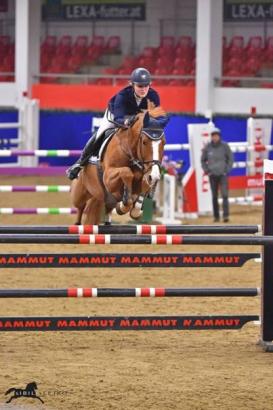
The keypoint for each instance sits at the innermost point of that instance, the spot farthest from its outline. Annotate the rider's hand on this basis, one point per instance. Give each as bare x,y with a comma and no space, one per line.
129,120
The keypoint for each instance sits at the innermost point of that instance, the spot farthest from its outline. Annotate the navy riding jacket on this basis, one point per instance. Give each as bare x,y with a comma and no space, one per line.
124,104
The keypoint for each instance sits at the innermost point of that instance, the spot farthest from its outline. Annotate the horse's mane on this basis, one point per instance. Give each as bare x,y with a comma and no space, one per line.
134,122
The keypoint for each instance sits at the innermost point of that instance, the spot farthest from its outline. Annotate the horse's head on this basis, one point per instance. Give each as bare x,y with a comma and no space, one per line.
150,153
144,147
149,146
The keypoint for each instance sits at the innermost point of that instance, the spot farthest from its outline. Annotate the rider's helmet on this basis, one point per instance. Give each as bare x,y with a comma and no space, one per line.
141,76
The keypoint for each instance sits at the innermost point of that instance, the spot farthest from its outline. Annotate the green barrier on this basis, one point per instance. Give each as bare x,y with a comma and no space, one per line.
148,210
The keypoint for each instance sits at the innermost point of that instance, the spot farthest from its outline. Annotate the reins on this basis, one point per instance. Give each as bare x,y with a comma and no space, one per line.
135,162
139,162
140,155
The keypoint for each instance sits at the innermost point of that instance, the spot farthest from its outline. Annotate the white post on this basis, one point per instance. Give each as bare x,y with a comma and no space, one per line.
208,51
27,45
29,131
169,195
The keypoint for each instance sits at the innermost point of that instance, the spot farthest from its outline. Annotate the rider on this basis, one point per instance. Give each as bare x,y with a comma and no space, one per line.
135,98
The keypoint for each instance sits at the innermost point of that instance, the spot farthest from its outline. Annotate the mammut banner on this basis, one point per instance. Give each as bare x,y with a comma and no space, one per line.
248,10
97,260
24,324
75,10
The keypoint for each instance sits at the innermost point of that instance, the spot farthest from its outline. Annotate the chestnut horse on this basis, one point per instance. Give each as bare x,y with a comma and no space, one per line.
127,172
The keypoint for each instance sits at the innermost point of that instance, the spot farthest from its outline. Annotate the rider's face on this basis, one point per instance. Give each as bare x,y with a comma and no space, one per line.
141,90
215,137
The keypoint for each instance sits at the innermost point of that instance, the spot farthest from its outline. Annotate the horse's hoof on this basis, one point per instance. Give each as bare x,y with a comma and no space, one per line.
136,213
121,208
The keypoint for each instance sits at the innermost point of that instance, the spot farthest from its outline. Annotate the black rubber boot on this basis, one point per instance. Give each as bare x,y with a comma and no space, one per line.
73,171
88,151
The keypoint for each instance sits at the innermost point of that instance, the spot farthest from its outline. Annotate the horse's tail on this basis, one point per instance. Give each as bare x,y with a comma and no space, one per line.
10,390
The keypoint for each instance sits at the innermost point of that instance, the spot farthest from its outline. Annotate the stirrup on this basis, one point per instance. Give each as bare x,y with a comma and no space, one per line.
73,171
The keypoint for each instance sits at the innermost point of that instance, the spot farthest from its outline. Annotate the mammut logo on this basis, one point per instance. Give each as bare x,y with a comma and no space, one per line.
29,391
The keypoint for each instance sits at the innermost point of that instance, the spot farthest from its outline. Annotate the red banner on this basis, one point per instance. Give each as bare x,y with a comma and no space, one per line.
96,97
246,182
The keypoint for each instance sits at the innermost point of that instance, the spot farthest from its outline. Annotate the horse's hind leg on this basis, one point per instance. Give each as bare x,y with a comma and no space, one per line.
92,211
79,196
79,215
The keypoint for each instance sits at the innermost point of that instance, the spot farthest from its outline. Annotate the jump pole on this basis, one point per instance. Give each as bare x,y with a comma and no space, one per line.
53,153
37,211
125,260
136,239
35,188
128,292
131,229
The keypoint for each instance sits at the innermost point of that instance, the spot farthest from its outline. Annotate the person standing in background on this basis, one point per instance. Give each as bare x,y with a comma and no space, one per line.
217,161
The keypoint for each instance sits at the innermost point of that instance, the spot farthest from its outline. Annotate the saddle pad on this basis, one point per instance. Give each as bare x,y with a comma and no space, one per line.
106,139
104,144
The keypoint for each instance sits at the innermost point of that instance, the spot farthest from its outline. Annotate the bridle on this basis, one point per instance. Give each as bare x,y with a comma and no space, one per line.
138,162
140,155
150,163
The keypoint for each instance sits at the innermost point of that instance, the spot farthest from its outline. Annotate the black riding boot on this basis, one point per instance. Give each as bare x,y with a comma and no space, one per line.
89,149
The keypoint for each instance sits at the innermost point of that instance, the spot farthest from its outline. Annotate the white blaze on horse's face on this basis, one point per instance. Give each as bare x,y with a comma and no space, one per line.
155,173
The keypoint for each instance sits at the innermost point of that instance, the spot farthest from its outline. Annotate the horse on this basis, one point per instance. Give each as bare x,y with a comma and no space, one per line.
128,171
29,391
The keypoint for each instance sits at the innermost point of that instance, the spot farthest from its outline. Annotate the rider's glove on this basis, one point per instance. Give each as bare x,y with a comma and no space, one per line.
129,120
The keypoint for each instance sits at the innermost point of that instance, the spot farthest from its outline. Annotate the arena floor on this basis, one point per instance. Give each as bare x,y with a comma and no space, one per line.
197,370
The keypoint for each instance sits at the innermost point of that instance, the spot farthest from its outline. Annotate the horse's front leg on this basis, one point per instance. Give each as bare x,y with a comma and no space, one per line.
119,180
145,189
137,209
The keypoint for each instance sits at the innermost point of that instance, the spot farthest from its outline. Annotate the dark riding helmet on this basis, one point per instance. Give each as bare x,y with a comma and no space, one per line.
141,76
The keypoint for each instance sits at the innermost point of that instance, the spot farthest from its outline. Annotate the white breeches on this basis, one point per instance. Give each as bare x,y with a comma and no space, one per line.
105,123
